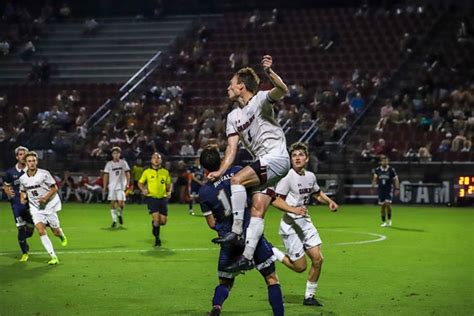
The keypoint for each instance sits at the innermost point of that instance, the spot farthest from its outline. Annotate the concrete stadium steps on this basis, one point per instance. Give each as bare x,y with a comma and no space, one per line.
120,47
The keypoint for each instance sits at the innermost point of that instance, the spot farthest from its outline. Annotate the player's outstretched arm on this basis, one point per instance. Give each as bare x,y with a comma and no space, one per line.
280,89
23,198
229,157
323,198
106,181
281,204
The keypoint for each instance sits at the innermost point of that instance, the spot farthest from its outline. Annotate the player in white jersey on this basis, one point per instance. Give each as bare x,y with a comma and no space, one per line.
253,123
116,182
39,189
298,232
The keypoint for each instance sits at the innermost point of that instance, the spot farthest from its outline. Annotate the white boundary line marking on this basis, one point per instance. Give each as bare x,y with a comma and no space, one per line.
111,250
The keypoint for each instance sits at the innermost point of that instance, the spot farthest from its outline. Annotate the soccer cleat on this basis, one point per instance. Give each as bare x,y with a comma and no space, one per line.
215,311
389,223
63,240
53,261
157,242
24,257
384,224
114,224
120,219
241,264
312,301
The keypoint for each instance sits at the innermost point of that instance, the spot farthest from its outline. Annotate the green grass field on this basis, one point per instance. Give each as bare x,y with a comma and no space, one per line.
423,267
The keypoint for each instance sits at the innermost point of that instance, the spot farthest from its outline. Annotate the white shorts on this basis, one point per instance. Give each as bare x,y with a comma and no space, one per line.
117,195
47,218
299,235
273,168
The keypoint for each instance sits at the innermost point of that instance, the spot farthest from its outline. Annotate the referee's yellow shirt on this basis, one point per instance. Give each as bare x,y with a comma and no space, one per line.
156,180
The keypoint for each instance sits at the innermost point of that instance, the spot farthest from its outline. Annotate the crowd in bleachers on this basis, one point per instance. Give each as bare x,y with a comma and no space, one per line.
433,118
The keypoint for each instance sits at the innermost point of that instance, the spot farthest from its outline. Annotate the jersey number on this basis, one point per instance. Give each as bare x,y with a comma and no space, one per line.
117,173
34,193
225,202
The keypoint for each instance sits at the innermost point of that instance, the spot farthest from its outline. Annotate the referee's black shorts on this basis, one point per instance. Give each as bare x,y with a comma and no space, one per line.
157,205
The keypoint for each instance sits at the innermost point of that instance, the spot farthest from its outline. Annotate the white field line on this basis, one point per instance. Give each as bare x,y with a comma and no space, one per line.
112,250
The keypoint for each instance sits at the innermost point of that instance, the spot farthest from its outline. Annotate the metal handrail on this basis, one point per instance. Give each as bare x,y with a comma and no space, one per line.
139,71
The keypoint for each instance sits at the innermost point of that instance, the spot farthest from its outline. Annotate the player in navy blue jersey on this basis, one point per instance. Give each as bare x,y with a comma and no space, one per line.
216,207
195,181
22,216
385,177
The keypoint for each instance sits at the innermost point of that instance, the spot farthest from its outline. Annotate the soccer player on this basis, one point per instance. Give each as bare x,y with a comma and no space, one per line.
298,232
22,216
116,181
385,177
214,198
157,192
195,181
254,124
39,189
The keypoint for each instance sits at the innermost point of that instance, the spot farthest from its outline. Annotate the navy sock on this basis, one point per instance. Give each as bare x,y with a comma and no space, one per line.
22,235
220,294
190,205
156,231
276,299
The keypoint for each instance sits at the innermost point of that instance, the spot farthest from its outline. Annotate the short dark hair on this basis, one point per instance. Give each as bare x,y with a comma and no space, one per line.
210,158
299,146
250,79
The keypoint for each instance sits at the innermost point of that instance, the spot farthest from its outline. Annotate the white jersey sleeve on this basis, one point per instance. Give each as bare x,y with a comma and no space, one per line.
283,186
316,188
108,167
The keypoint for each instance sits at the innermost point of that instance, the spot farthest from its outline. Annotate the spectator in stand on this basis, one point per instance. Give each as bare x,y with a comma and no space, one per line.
467,146
4,47
445,144
186,149
357,104
102,148
385,114
339,128
96,189
305,122
27,50
458,142
91,26
64,12
368,152
68,187
380,147
253,21
424,154
275,19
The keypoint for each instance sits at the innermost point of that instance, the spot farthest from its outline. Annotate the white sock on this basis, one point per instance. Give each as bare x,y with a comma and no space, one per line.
310,289
48,245
120,211
254,232
114,215
238,200
280,255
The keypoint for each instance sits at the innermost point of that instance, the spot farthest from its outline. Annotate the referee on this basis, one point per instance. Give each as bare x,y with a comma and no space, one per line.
156,191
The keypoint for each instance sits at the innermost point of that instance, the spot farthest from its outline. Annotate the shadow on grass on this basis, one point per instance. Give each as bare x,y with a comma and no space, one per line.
409,229
114,229
22,270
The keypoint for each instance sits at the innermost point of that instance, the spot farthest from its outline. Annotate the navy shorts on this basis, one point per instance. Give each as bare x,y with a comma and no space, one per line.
21,214
385,195
195,187
157,205
263,257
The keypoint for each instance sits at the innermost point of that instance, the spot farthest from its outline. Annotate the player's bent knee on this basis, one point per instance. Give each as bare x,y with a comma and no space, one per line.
300,265
271,279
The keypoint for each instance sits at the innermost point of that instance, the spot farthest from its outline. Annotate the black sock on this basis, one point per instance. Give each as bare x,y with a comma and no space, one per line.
190,206
383,218
156,231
